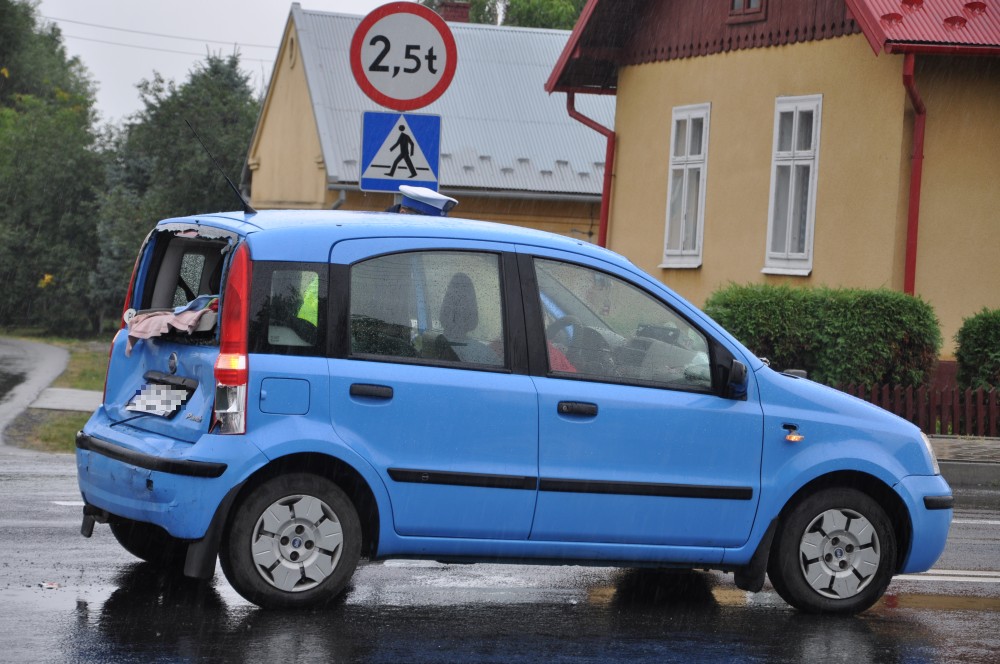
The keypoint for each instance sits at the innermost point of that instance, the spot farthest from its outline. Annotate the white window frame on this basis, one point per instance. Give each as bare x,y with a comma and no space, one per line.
787,261
687,258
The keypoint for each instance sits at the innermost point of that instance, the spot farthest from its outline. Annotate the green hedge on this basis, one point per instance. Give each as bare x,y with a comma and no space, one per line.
978,351
840,336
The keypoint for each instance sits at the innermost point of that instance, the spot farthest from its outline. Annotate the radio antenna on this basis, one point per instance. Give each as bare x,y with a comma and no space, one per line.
247,208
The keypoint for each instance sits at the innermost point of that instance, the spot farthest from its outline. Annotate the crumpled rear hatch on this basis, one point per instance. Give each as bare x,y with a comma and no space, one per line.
161,371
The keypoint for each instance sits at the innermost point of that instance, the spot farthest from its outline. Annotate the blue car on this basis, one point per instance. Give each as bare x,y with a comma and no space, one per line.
294,390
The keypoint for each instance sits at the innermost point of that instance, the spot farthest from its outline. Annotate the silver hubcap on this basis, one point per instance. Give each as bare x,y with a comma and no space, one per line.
296,543
839,553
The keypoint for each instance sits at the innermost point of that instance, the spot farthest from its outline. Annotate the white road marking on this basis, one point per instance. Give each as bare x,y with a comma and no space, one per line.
952,575
68,503
960,572
977,522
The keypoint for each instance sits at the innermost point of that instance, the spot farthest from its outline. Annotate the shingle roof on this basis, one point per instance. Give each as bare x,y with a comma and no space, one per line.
960,25
500,129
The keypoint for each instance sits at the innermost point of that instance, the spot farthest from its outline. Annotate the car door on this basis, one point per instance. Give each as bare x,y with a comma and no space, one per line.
636,445
430,387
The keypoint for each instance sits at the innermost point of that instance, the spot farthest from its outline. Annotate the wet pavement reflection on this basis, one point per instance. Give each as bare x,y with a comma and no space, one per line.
616,616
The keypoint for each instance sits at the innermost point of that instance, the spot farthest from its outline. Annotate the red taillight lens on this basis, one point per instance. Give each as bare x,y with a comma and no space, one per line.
231,366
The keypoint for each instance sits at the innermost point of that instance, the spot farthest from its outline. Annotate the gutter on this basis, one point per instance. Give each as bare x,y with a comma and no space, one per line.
609,161
916,173
942,49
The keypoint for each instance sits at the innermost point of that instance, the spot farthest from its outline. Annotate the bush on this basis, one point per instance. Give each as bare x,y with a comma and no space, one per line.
978,352
840,336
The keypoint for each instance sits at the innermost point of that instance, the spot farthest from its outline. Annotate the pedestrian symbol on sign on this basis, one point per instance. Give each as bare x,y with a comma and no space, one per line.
405,145
399,149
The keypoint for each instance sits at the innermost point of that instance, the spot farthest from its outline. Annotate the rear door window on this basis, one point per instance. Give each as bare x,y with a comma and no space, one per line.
436,306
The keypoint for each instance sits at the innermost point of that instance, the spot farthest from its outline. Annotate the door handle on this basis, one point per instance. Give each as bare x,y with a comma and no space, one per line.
577,408
372,391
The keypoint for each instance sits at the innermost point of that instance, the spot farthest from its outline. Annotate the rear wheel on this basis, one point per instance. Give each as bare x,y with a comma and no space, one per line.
294,541
835,552
150,543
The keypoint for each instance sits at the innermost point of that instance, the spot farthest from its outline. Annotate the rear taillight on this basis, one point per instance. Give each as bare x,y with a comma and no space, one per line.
231,367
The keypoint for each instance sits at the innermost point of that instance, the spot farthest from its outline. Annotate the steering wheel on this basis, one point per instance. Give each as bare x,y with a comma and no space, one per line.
560,324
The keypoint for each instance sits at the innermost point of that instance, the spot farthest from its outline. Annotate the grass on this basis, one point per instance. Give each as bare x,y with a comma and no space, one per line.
55,430
88,362
45,430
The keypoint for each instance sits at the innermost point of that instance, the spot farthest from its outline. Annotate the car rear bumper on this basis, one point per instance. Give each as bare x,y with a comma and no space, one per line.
173,484
929,500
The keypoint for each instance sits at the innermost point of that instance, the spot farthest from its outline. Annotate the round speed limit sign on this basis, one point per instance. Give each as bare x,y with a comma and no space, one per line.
403,56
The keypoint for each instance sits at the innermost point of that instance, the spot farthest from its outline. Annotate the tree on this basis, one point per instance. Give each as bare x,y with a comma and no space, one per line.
33,60
49,171
559,14
158,168
160,158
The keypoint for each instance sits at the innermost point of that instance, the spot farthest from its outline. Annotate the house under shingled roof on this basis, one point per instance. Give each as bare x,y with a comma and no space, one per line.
509,151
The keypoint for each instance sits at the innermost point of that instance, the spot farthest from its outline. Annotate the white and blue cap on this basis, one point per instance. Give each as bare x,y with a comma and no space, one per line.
426,201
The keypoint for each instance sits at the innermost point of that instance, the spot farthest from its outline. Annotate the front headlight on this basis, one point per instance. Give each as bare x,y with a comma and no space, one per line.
930,452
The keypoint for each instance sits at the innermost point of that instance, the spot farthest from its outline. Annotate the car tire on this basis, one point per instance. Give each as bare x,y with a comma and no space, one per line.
292,542
150,543
835,552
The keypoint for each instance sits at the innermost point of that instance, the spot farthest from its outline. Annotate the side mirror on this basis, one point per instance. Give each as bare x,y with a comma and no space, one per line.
737,373
737,388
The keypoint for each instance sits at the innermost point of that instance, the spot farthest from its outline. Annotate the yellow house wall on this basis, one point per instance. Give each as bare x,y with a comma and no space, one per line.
958,262
286,159
860,208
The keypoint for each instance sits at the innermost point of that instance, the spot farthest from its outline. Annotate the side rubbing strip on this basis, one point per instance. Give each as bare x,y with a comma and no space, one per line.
646,489
939,502
463,479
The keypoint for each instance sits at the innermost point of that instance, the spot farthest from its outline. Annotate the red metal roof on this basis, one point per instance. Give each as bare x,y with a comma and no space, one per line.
930,26
615,33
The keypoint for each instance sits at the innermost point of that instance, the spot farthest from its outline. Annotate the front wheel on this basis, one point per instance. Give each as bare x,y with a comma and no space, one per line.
835,553
293,542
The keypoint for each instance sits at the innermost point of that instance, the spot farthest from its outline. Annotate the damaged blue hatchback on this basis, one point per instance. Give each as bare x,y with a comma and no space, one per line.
293,390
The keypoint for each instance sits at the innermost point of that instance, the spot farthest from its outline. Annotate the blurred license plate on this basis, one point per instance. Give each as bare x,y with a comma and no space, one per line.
156,399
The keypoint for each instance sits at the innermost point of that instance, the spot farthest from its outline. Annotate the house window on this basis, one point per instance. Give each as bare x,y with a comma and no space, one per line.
686,190
792,209
744,11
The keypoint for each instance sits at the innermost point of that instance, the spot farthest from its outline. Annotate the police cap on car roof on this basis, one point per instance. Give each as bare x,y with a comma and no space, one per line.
426,201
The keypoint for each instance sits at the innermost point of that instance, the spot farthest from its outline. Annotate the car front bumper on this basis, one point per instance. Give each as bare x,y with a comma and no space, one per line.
928,499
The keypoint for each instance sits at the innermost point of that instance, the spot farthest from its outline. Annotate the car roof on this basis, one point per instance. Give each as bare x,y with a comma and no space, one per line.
307,235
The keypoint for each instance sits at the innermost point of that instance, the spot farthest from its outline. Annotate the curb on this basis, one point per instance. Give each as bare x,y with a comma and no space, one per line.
971,474
63,398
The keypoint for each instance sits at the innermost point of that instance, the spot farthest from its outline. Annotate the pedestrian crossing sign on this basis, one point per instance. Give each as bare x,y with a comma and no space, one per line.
399,148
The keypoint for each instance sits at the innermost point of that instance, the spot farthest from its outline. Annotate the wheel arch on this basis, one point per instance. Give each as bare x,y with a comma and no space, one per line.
874,487
340,472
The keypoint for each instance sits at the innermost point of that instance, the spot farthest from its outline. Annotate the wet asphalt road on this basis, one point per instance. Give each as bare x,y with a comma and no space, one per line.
102,606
